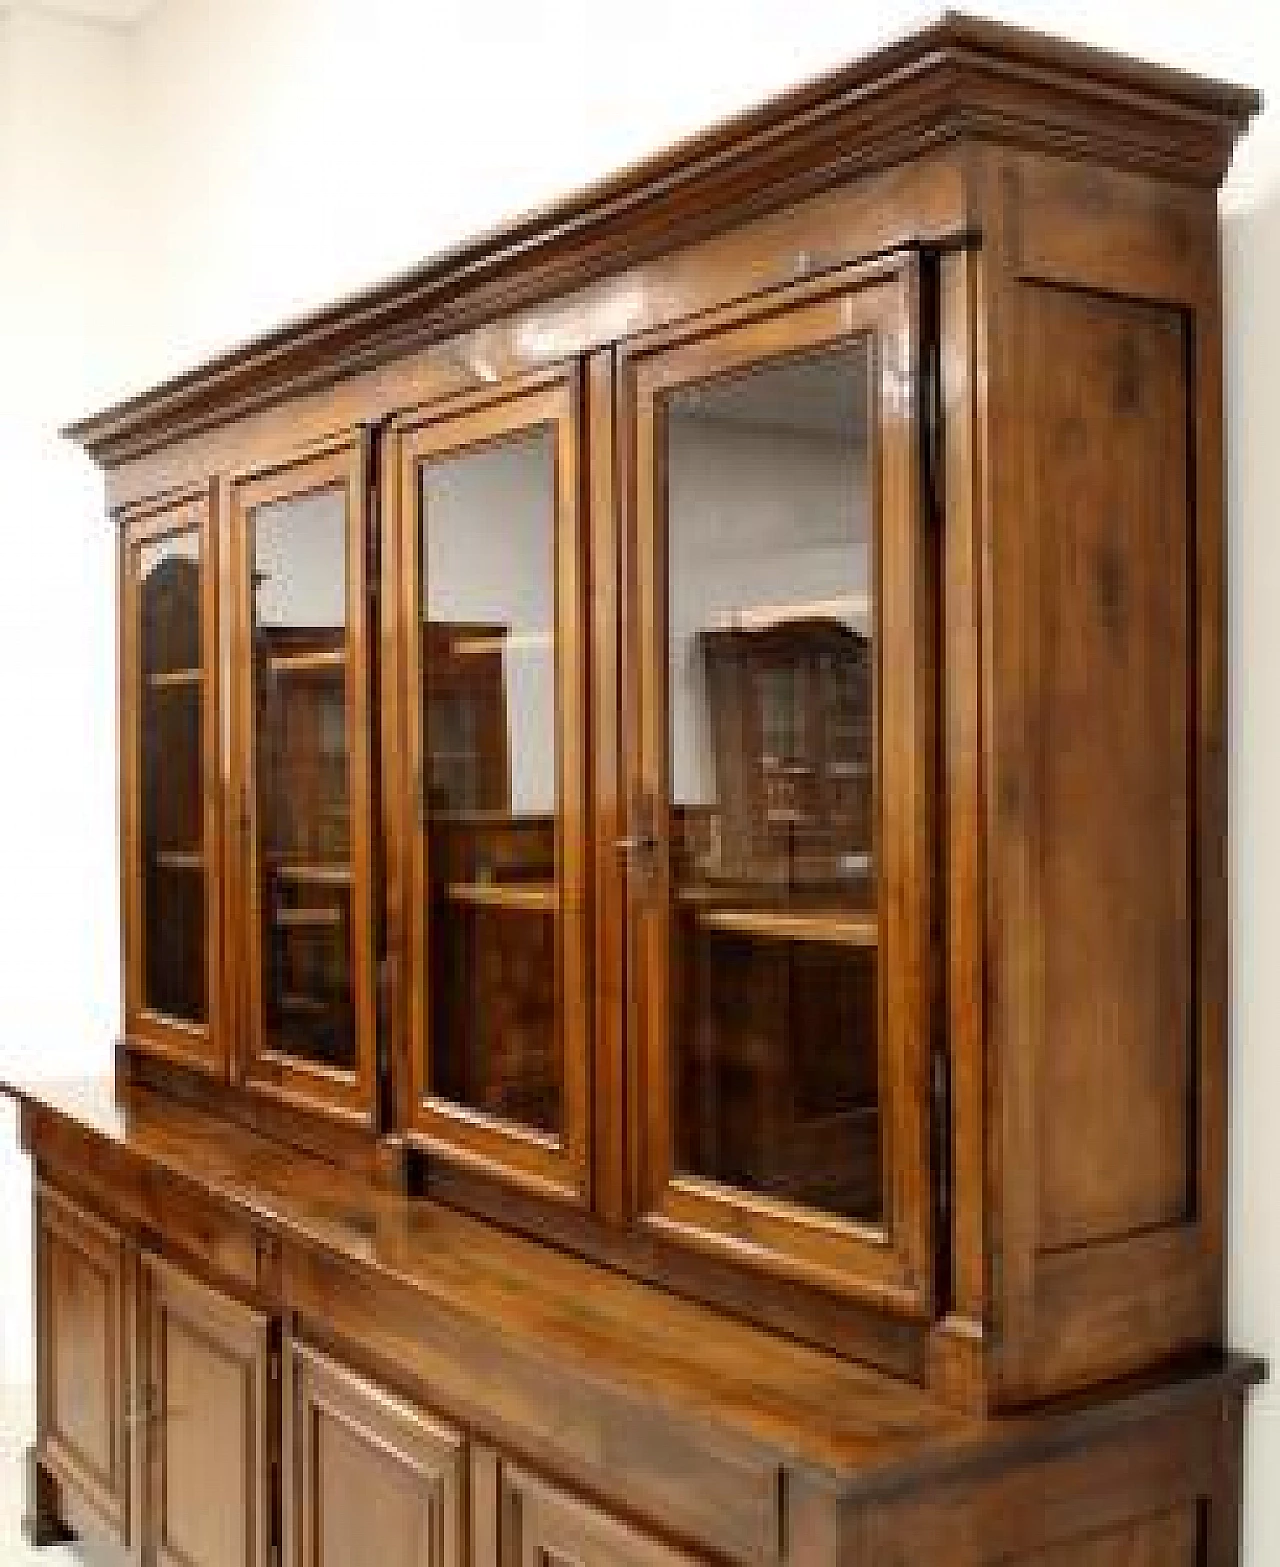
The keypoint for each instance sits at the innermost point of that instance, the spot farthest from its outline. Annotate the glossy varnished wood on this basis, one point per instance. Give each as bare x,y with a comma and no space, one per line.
657,1408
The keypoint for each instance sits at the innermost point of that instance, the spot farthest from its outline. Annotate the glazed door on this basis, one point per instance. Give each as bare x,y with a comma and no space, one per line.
169,781
302,753
494,783
777,855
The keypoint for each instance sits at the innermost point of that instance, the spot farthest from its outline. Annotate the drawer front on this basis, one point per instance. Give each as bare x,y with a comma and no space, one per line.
522,1521
83,1315
371,1479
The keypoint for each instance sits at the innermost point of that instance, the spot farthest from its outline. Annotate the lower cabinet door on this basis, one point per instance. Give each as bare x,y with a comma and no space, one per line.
374,1481
209,1419
82,1330
540,1526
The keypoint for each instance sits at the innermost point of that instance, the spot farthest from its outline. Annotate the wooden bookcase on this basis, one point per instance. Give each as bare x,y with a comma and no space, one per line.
673,822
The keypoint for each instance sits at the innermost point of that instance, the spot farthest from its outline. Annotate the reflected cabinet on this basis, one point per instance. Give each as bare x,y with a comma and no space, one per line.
689,734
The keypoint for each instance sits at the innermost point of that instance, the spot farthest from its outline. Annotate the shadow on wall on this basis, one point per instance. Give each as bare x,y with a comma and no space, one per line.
1251,256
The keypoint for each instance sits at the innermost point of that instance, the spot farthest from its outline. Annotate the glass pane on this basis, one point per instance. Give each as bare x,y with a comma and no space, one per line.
171,778
772,748
490,793
304,822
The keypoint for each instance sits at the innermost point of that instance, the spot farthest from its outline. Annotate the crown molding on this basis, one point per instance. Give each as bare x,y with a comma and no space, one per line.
960,77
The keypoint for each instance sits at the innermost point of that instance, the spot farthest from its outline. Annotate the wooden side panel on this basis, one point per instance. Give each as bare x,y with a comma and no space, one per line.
1102,561
1107,491
207,1407
1159,1490
83,1357
1171,1540
372,1478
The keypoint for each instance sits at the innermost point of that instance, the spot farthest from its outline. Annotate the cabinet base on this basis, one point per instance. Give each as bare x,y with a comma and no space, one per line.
42,1523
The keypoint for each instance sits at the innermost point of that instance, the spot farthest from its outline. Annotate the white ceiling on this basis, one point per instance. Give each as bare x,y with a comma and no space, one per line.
121,11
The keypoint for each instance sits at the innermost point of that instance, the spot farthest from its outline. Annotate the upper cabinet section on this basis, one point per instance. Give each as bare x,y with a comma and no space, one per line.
303,899
778,631
699,718
491,620
169,772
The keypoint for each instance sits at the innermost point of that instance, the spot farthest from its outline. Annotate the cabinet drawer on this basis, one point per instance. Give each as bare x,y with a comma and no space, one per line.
82,1330
372,1479
522,1521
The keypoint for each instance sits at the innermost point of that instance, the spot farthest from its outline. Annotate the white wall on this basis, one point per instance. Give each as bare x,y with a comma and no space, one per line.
63,148
285,150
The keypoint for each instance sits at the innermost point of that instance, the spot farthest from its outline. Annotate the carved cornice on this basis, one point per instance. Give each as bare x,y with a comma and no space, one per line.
960,77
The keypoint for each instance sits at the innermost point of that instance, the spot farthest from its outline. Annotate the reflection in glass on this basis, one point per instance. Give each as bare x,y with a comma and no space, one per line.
772,747
171,762
303,796
489,784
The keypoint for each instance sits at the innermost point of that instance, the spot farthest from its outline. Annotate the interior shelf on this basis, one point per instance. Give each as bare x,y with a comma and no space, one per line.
307,919
168,679
310,661
178,859
834,927
505,894
311,1006
313,875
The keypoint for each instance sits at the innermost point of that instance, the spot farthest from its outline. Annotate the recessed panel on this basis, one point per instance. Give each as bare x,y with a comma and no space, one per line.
366,1496
82,1332
1169,1540
207,1439
1109,495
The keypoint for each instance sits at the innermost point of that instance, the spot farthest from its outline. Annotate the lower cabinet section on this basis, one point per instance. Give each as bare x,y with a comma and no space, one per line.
371,1478
188,1428
209,1425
